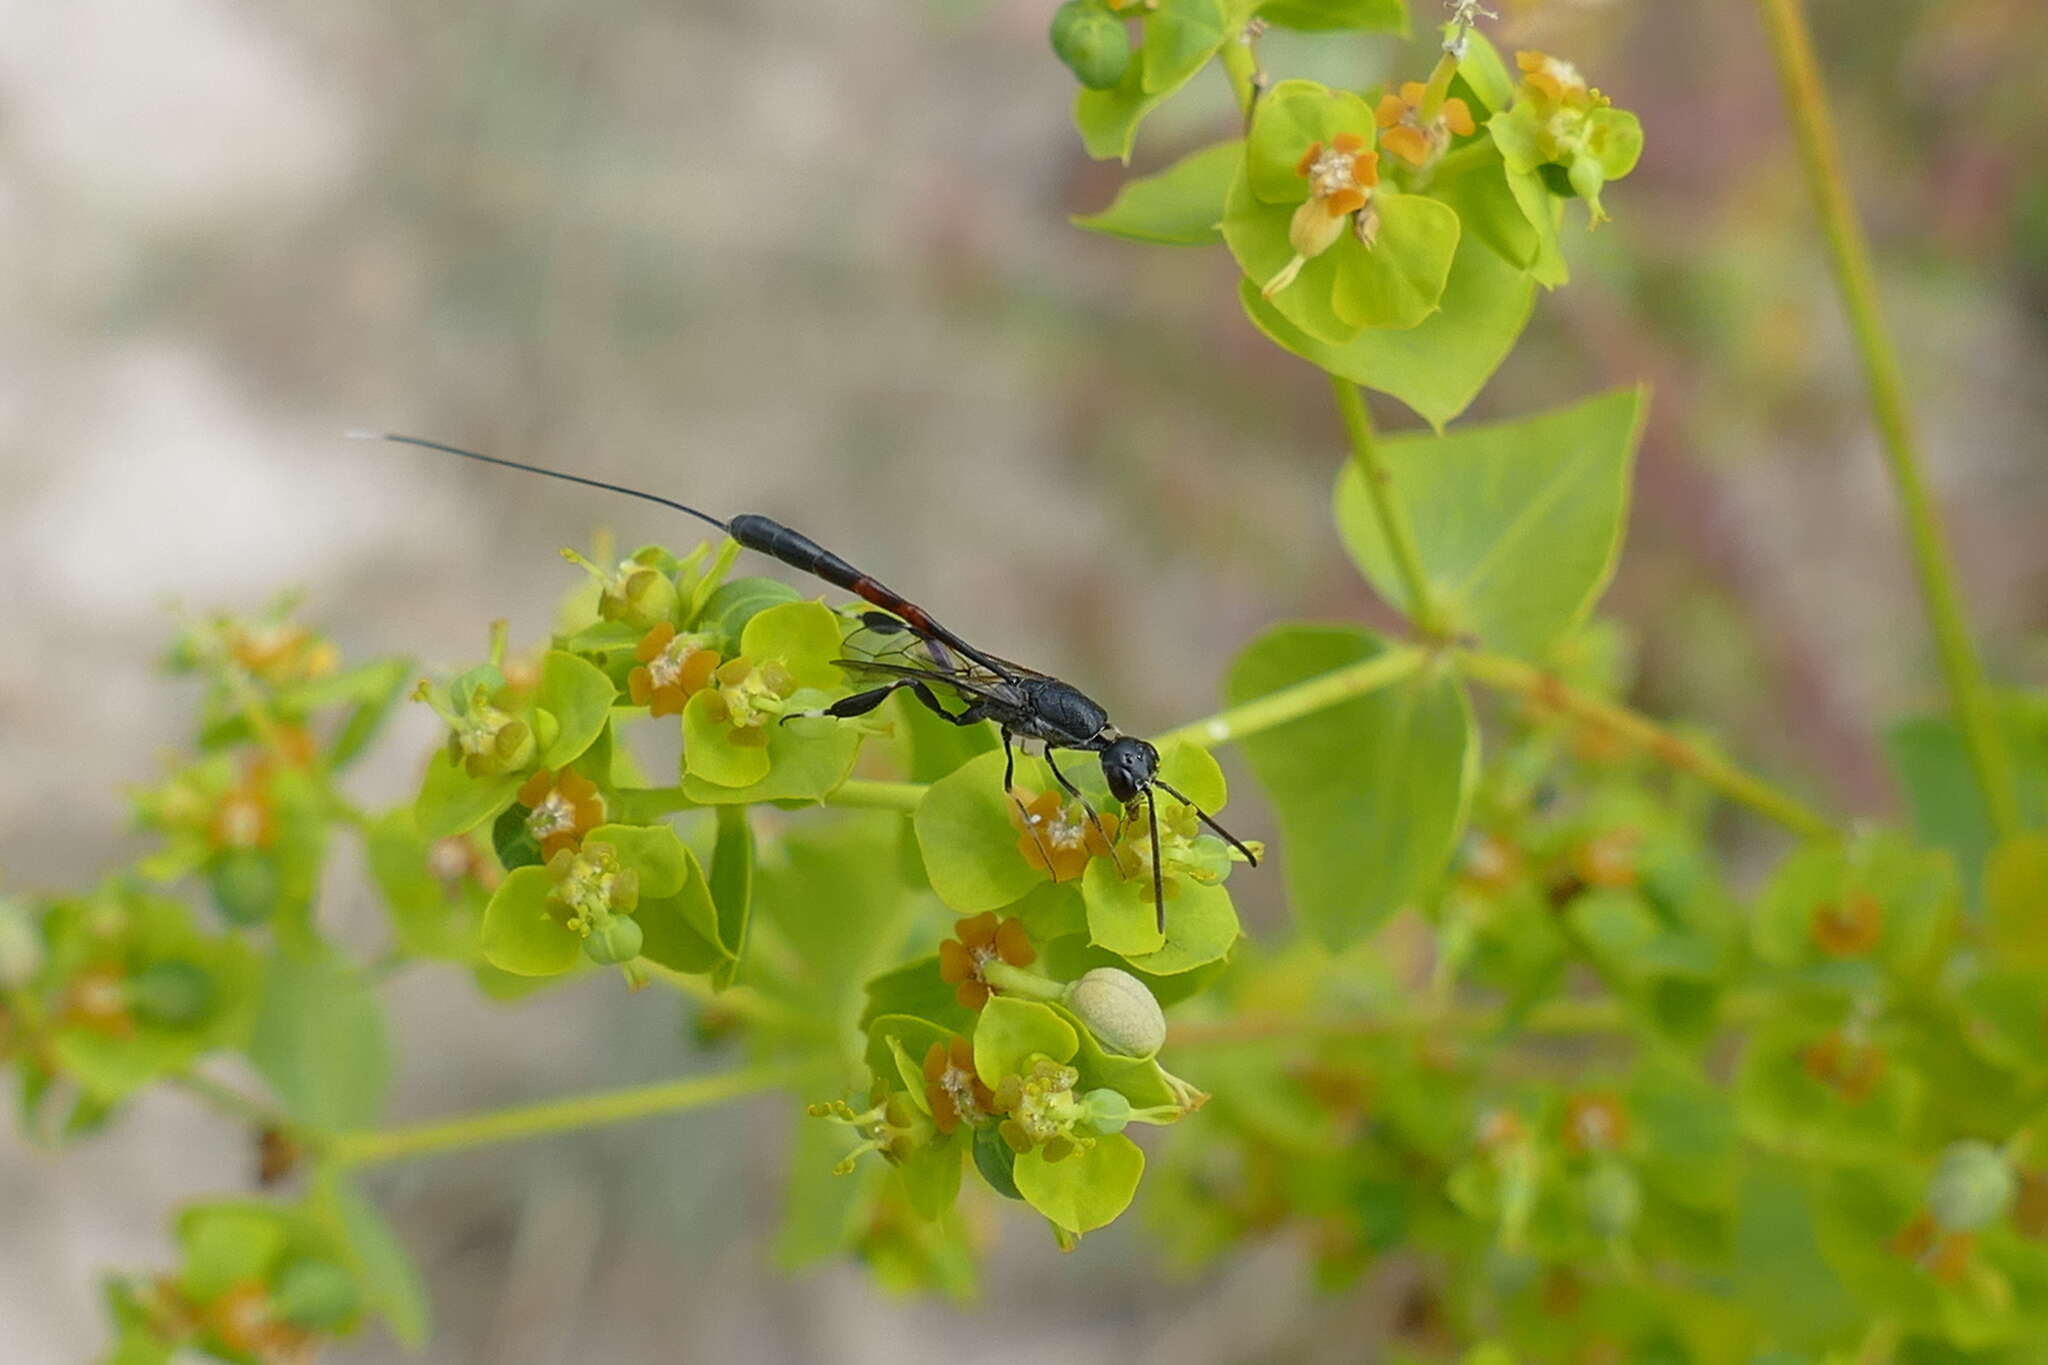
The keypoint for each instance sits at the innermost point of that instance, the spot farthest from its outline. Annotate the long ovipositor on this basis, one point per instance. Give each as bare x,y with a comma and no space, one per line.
763,535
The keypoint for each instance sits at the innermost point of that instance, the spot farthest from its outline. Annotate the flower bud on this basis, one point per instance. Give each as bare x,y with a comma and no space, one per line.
618,940
245,886
1119,1011
1092,43
171,994
1972,1186
316,1295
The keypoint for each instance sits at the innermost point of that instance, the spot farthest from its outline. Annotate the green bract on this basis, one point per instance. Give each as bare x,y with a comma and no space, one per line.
566,713
733,737
1395,282
1522,521
543,920
132,992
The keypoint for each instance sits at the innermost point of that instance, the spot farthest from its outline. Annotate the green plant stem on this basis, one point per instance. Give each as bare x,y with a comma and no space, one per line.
1806,101
1392,516
1241,66
1526,680
555,1116
865,795
1302,698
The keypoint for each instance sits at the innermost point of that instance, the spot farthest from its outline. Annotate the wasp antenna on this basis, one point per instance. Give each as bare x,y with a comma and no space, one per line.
503,463
1204,817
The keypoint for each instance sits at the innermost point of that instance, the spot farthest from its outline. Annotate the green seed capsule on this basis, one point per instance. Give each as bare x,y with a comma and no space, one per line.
1092,42
1108,1110
1972,1186
171,994
245,886
316,1295
1118,1009
618,941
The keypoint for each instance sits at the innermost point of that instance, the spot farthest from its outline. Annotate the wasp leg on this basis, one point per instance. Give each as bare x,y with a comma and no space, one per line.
1093,818
860,703
1023,812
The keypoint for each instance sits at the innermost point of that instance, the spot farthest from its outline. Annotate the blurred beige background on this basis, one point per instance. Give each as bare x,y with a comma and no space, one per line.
812,260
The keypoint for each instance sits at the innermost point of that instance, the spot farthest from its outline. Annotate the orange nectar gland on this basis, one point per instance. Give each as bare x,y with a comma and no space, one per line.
243,817
982,939
1405,133
672,668
1058,837
954,1092
1594,1122
1849,928
561,810
1556,83
749,696
97,1001
1341,178
1850,1067
1944,1255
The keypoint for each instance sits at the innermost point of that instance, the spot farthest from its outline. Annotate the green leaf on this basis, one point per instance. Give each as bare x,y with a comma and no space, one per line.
1438,366
1201,921
1180,38
1518,524
732,605
732,887
901,1067
522,932
374,687
452,802
1371,794
226,1245
1087,1189
1291,117
1180,206
2016,903
915,989
969,845
1779,1271
1399,280
1782,1106
1384,16
579,696
1486,73
937,747
390,1279
424,918
804,761
676,912
710,756
320,1042
654,852
1475,184
1947,805
803,637
1011,1032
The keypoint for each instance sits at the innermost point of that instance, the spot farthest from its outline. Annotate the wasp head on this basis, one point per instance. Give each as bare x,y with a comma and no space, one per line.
1128,766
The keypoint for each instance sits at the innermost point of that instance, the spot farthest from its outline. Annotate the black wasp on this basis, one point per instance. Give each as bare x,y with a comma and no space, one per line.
1023,703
